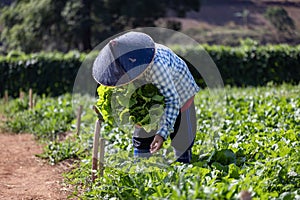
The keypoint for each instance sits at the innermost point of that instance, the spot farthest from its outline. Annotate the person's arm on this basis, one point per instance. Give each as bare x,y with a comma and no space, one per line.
161,78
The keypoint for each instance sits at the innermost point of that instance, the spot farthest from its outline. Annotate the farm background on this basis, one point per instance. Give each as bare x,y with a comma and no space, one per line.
248,132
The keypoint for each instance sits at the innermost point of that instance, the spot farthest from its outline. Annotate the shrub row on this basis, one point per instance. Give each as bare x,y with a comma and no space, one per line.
55,73
46,73
251,65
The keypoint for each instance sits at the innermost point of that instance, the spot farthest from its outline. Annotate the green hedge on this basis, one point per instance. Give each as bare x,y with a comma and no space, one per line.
252,65
46,73
55,73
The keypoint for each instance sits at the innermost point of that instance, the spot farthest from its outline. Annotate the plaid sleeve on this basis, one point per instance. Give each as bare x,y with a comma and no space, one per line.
160,77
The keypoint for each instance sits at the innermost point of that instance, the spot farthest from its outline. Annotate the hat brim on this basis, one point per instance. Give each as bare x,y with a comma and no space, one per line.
114,67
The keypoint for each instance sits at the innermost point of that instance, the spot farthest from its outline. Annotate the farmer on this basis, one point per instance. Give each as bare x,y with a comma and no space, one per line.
135,56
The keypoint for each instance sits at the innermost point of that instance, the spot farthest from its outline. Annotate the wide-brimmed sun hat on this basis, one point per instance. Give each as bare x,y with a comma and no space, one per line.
124,59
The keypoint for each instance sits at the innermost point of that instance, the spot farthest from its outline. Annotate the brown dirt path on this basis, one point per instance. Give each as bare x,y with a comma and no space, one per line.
23,176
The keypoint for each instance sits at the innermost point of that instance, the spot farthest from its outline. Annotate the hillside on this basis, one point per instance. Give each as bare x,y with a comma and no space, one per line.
223,22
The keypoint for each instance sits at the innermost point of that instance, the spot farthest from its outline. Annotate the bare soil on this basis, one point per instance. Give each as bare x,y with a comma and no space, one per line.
25,176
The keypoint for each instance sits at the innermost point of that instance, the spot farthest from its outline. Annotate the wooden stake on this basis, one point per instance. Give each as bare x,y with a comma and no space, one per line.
95,149
79,119
245,195
21,95
101,157
33,102
6,96
30,99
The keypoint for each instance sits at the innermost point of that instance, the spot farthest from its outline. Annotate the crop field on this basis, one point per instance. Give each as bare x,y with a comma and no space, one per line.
248,141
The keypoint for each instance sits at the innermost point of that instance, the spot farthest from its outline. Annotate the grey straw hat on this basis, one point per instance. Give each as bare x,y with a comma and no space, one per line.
124,59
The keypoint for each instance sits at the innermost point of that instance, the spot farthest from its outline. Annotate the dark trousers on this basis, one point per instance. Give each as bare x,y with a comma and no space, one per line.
182,138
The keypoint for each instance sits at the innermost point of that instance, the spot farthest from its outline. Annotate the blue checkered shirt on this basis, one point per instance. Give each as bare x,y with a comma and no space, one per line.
171,76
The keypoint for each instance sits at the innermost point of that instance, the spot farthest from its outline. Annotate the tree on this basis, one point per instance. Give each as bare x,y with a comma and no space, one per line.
280,19
32,25
120,15
77,19
35,25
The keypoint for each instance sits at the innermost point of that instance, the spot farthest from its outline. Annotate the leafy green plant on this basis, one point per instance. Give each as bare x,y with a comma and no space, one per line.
47,119
141,106
71,148
247,139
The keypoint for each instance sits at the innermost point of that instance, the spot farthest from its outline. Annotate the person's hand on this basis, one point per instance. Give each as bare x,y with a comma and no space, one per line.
156,144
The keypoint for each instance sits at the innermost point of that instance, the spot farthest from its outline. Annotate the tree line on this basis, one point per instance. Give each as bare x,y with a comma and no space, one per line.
63,25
